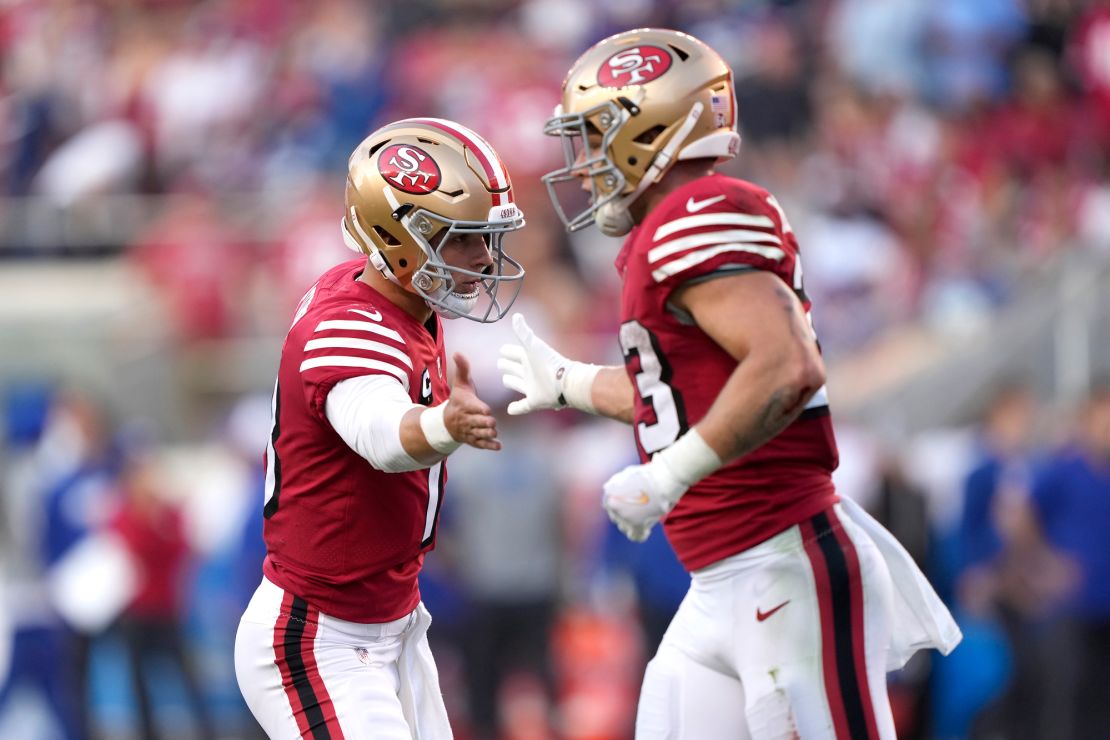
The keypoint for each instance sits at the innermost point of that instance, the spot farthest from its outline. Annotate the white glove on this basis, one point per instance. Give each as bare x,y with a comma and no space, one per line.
639,496
545,378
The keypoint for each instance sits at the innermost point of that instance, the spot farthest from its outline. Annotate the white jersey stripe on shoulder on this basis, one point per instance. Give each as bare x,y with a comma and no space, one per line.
363,344
696,258
712,219
674,246
366,362
369,326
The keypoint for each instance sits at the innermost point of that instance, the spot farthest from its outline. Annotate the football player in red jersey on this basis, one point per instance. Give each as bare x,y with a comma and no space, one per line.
333,644
793,617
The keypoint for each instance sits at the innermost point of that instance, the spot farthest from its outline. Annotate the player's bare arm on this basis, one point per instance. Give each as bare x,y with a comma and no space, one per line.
758,320
548,380
612,394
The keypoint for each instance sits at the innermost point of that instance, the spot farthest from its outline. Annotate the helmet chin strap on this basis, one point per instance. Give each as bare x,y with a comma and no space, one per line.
376,259
614,218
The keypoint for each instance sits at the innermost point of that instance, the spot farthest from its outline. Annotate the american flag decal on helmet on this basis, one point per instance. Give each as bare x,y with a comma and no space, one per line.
719,104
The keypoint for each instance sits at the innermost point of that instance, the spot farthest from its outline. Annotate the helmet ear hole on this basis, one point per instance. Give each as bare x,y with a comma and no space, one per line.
650,135
388,239
402,263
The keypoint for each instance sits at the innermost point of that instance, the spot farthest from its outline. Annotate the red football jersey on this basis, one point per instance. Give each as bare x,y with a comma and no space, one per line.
714,226
343,536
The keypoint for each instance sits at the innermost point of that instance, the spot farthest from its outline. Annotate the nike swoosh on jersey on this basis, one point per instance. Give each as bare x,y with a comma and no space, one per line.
641,499
693,206
761,615
374,315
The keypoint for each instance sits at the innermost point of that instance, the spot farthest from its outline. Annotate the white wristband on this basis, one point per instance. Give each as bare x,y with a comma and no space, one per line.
435,430
689,459
578,383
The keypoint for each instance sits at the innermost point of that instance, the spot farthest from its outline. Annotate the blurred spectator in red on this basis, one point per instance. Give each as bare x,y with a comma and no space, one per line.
308,244
1090,39
153,532
197,264
1072,501
1039,126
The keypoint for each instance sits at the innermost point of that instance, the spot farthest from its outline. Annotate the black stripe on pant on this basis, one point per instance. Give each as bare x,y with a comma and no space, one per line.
294,656
840,587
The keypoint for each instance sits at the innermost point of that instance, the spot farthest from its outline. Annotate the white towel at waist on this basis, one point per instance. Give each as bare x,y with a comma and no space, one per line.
920,619
421,698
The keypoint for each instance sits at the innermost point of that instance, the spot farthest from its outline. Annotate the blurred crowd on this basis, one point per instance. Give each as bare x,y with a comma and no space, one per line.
931,153
933,157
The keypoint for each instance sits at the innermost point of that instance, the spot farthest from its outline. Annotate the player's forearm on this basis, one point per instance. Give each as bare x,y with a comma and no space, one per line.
762,397
415,440
375,417
612,394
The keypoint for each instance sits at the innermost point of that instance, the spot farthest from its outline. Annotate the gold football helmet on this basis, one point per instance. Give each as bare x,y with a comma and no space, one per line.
410,186
632,105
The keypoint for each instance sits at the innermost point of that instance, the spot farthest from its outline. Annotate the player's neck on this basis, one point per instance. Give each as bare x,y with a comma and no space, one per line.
676,177
407,301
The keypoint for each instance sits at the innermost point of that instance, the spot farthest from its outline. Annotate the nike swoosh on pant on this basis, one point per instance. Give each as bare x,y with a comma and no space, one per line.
761,615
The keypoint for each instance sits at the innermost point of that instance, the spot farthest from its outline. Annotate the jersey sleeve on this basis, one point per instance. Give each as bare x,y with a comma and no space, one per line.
719,232
348,343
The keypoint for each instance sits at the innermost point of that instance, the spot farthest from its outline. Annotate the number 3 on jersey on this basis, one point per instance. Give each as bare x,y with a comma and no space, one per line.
652,385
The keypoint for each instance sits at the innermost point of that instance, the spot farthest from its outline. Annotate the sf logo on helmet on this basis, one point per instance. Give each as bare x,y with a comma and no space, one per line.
409,169
634,66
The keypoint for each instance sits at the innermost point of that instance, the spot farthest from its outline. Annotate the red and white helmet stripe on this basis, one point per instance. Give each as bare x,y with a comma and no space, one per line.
487,158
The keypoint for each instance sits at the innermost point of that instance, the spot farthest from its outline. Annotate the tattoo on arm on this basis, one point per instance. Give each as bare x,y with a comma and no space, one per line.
781,409
789,303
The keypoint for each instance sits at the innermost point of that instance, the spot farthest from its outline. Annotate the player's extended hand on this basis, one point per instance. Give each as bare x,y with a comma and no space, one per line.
468,418
639,496
533,369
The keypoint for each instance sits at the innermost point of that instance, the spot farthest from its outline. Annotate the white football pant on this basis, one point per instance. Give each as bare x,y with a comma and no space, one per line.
787,639
307,675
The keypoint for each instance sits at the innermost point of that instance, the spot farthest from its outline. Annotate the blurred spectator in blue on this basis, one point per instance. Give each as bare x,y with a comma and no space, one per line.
965,48
1011,577
38,641
79,503
878,45
1072,502
60,493
659,579
1004,465
153,532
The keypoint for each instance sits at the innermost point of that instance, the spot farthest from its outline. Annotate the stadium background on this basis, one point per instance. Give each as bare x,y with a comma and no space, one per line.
170,184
